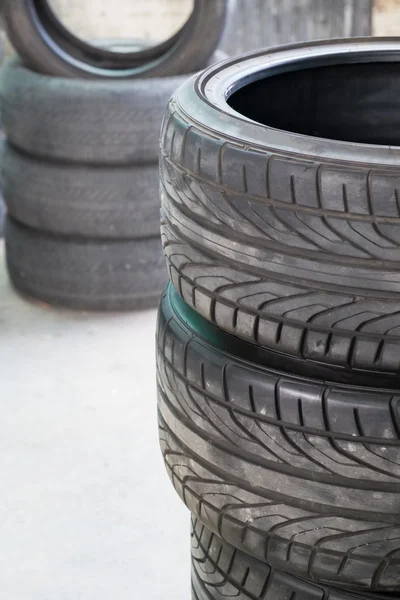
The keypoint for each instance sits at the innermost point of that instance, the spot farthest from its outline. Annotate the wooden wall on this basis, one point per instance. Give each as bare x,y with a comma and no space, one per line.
386,17
272,22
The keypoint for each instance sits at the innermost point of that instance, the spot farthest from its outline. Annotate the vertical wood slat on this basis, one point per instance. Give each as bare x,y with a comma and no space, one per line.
261,23
386,17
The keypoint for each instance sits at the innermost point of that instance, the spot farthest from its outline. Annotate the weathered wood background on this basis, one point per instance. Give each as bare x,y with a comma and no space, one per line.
386,17
272,22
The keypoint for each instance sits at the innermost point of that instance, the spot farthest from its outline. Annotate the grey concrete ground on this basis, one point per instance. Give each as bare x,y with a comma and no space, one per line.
86,510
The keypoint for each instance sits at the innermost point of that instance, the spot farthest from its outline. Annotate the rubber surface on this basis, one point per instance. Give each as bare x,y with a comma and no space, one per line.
80,200
287,240
94,122
221,571
302,474
50,49
86,274
2,215
2,205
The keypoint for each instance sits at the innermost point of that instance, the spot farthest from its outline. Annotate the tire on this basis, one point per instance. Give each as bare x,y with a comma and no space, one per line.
220,571
86,122
85,201
2,205
301,474
287,240
2,215
84,274
47,47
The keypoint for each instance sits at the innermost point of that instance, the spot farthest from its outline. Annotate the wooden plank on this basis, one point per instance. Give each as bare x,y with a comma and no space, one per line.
386,17
362,17
262,23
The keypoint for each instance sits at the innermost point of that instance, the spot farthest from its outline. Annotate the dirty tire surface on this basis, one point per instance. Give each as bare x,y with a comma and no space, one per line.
85,274
47,47
81,121
85,122
220,571
294,252
299,473
80,200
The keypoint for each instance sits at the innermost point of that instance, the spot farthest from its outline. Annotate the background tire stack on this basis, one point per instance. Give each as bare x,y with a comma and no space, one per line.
278,337
80,166
2,206
272,23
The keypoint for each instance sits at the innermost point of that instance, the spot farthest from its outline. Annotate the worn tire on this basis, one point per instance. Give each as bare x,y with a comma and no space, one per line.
84,274
86,201
94,122
47,47
287,240
2,205
2,215
300,473
220,571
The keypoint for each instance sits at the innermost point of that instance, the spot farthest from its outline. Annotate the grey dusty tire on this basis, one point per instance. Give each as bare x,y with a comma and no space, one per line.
2,205
220,571
80,200
79,121
300,473
85,274
47,47
274,228
2,215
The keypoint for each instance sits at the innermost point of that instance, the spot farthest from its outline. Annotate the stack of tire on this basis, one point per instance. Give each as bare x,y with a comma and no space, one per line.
278,353
2,206
80,166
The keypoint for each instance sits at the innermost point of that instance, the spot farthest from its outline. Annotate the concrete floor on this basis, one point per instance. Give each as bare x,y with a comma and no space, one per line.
86,510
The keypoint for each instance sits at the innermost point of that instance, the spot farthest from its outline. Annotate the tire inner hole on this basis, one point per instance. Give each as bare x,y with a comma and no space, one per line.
353,102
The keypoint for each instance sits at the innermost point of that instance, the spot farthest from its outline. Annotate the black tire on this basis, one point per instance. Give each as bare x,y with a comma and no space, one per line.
94,122
302,474
47,47
220,571
2,205
84,274
287,240
2,215
98,202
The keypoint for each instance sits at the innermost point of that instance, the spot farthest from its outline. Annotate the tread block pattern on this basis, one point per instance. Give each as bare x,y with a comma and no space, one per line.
341,189
351,236
80,121
358,554
331,328
231,435
231,204
221,571
301,423
85,274
91,202
335,551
